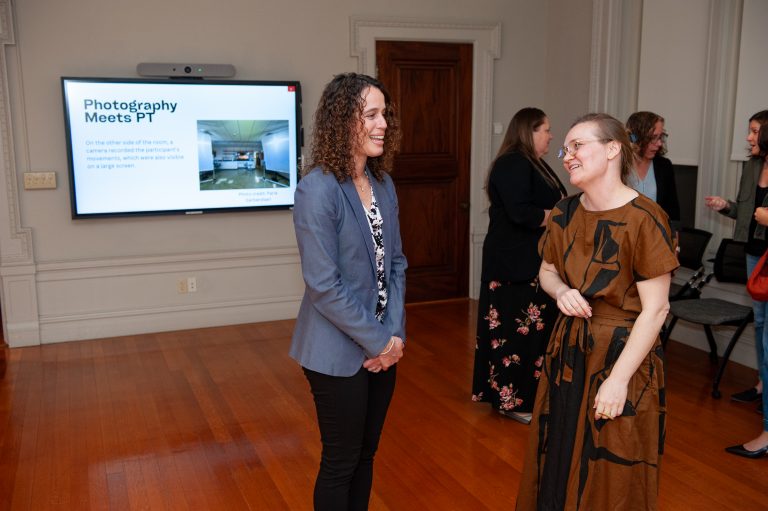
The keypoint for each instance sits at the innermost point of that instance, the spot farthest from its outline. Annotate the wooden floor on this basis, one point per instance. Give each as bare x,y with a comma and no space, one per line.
222,419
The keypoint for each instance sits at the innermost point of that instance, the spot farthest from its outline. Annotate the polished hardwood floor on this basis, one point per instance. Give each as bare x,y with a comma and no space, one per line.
222,419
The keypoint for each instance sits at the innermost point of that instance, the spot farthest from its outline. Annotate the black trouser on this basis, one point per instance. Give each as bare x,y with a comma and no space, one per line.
350,413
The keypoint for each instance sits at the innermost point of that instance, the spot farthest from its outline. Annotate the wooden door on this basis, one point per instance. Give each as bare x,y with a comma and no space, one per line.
431,84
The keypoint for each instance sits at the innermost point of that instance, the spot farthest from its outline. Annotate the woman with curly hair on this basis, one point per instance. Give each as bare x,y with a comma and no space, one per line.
350,330
652,174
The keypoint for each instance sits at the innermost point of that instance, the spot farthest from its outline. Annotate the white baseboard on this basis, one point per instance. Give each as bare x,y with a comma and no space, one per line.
163,319
92,299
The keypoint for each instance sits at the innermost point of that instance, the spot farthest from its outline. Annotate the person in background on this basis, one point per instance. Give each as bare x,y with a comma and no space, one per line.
752,193
514,315
653,174
758,447
598,426
350,329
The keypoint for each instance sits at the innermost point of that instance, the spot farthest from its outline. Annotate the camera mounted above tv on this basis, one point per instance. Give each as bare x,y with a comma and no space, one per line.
161,70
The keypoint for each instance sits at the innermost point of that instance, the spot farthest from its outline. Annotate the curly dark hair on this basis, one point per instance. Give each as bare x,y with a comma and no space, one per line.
338,117
640,126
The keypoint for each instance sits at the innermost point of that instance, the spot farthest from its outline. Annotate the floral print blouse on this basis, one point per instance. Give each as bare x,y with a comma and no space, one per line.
376,224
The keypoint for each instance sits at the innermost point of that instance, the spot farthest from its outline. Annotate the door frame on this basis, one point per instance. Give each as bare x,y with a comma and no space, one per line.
486,42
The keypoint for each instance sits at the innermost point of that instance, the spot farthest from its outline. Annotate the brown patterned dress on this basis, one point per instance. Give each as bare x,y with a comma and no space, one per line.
574,461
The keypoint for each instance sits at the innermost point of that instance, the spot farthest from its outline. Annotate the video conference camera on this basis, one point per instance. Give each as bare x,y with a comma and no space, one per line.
188,70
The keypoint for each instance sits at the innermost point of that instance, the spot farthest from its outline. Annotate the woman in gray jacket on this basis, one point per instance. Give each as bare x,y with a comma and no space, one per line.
753,194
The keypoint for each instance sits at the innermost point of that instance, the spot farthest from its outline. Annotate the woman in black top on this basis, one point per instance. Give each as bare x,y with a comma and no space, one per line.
751,198
757,167
653,174
515,316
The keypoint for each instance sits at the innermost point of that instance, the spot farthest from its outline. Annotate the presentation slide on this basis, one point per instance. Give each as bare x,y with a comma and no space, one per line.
165,146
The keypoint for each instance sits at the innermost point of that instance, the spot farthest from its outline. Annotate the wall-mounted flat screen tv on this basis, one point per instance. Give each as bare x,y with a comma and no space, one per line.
148,147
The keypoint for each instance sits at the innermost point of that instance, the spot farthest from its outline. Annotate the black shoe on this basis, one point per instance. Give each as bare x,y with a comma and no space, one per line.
740,450
747,396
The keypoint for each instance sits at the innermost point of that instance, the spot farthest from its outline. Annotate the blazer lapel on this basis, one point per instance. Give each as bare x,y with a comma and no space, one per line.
362,221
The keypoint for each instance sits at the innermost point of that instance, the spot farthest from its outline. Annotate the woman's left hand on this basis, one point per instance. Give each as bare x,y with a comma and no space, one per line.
761,215
610,399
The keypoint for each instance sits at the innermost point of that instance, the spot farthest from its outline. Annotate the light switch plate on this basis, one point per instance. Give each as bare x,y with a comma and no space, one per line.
39,180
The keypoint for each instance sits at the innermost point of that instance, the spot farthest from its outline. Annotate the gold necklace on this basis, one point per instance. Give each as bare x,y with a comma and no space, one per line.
362,187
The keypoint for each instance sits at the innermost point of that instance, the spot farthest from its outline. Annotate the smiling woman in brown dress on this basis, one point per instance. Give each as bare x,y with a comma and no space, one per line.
598,427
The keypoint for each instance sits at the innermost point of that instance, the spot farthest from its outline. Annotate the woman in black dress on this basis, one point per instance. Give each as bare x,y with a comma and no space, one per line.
515,316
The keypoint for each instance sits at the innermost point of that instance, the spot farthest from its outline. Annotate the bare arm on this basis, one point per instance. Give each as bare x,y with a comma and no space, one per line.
547,212
612,394
569,300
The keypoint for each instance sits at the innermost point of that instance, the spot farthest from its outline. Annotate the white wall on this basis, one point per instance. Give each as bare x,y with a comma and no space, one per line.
103,277
687,74
673,61
565,44
568,67
753,73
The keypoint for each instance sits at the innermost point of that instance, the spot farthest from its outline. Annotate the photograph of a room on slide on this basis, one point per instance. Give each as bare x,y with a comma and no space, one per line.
242,154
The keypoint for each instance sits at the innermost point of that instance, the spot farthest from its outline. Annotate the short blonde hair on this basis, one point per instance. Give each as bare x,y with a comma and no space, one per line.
609,128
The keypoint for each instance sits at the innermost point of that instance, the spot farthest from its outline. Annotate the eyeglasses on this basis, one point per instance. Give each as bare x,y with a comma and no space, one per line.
576,145
662,137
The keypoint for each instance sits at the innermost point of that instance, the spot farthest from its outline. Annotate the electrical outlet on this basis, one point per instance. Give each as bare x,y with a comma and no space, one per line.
39,180
181,286
192,284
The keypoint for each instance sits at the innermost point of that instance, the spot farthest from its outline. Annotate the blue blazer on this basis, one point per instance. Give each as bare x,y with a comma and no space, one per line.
336,329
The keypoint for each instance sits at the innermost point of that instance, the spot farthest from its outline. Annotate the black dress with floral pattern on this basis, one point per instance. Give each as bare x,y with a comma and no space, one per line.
510,343
515,316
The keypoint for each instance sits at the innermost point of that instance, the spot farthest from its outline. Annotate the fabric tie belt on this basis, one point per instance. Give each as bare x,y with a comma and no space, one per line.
575,332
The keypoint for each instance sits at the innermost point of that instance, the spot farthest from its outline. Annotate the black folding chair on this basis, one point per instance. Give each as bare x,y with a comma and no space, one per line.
729,266
693,244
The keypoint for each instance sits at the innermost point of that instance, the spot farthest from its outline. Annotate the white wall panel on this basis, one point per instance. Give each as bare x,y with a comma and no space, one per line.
672,70
752,89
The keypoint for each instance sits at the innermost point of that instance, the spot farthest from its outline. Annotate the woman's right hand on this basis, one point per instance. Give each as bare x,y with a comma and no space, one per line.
715,203
391,354
571,303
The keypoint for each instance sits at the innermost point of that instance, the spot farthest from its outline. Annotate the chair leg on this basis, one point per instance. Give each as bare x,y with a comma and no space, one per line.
667,331
727,355
712,344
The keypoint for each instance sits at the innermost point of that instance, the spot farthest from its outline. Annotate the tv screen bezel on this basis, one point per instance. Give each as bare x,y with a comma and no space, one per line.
299,135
